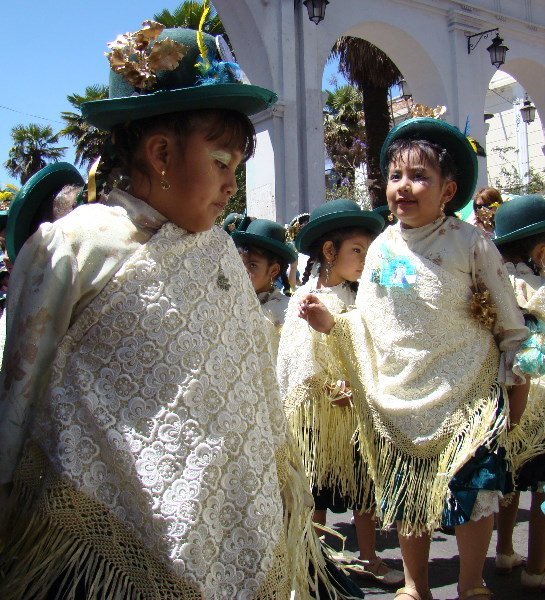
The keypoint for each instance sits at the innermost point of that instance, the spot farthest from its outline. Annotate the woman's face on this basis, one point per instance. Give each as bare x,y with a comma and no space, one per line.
201,176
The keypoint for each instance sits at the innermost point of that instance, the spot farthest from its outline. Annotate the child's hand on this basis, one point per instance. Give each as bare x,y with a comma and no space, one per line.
316,314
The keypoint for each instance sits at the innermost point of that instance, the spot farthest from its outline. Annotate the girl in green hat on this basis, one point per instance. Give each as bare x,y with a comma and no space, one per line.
143,444
266,256
520,238
428,354
317,399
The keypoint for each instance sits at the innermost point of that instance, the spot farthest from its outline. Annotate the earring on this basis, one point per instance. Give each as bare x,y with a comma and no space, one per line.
391,218
164,181
271,287
327,271
442,211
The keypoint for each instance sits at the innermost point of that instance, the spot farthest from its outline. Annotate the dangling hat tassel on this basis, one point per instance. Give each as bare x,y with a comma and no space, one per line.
92,181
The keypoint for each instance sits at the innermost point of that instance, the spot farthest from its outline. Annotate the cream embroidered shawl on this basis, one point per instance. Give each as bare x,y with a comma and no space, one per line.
156,454
423,369
325,432
528,439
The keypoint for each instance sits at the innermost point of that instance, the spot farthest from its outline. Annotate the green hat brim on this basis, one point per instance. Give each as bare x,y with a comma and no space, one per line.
24,206
521,233
447,136
242,238
315,228
247,99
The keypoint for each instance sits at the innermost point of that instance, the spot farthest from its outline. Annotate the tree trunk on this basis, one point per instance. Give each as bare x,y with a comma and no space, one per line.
377,125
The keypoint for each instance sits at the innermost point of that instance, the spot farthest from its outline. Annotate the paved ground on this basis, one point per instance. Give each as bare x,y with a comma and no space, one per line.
444,560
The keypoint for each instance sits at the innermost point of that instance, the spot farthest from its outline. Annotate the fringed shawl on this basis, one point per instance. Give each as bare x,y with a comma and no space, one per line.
423,370
324,431
158,463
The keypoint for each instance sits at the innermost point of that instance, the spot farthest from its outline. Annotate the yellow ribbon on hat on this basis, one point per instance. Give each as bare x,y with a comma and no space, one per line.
200,37
92,181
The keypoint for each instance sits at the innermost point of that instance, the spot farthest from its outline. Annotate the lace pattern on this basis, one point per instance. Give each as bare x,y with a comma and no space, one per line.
163,407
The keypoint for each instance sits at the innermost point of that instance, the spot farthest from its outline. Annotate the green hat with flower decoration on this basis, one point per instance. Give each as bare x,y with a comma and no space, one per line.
336,214
447,136
157,71
38,189
267,234
521,217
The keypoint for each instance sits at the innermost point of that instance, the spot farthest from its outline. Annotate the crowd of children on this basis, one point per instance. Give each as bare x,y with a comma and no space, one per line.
172,428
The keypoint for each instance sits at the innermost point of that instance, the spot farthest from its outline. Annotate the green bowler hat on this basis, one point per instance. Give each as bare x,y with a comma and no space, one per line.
39,188
448,137
266,234
196,82
336,214
521,217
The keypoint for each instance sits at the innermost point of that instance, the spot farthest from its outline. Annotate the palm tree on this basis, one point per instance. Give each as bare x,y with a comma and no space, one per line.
373,73
188,15
34,146
88,140
344,131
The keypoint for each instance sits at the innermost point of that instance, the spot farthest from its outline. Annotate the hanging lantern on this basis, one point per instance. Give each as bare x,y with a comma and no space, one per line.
528,112
497,51
406,93
316,9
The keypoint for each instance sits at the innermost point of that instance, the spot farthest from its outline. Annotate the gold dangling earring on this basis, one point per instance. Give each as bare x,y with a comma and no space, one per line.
164,181
391,218
442,211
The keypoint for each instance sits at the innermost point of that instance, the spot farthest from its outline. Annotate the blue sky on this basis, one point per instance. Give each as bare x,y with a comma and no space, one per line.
52,49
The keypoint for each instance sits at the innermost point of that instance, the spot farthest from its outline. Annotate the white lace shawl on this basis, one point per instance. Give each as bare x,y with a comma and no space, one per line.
301,355
161,401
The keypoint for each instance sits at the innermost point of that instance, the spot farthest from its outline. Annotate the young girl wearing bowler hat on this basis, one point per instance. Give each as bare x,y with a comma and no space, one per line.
266,256
428,352
142,442
520,238
317,401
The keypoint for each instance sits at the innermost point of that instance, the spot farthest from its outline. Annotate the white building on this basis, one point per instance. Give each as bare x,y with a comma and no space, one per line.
279,48
511,145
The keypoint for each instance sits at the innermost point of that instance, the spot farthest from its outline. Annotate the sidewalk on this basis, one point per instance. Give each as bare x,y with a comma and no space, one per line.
444,560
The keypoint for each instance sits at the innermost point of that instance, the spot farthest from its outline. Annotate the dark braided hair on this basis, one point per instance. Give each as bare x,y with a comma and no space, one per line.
336,237
122,153
429,153
271,258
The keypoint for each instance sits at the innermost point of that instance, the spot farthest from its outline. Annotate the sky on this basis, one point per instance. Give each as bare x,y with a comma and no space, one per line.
55,48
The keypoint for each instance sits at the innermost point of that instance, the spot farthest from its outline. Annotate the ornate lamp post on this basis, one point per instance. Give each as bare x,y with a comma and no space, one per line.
528,112
316,9
497,49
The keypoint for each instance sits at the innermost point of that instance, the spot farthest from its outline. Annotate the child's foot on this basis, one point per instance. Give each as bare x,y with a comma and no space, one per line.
378,570
531,580
411,593
505,563
478,593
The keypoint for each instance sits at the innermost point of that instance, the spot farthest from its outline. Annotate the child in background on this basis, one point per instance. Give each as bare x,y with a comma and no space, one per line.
435,330
143,445
520,238
266,256
317,403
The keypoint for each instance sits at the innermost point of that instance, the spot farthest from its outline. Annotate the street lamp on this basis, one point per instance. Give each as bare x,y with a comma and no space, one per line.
406,93
316,9
497,49
528,112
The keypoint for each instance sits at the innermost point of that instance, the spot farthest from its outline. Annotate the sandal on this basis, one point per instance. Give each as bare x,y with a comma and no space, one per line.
474,592
371,568
410,591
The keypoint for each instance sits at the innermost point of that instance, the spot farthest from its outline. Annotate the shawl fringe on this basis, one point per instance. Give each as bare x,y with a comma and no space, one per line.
327,439
412,479
527,441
